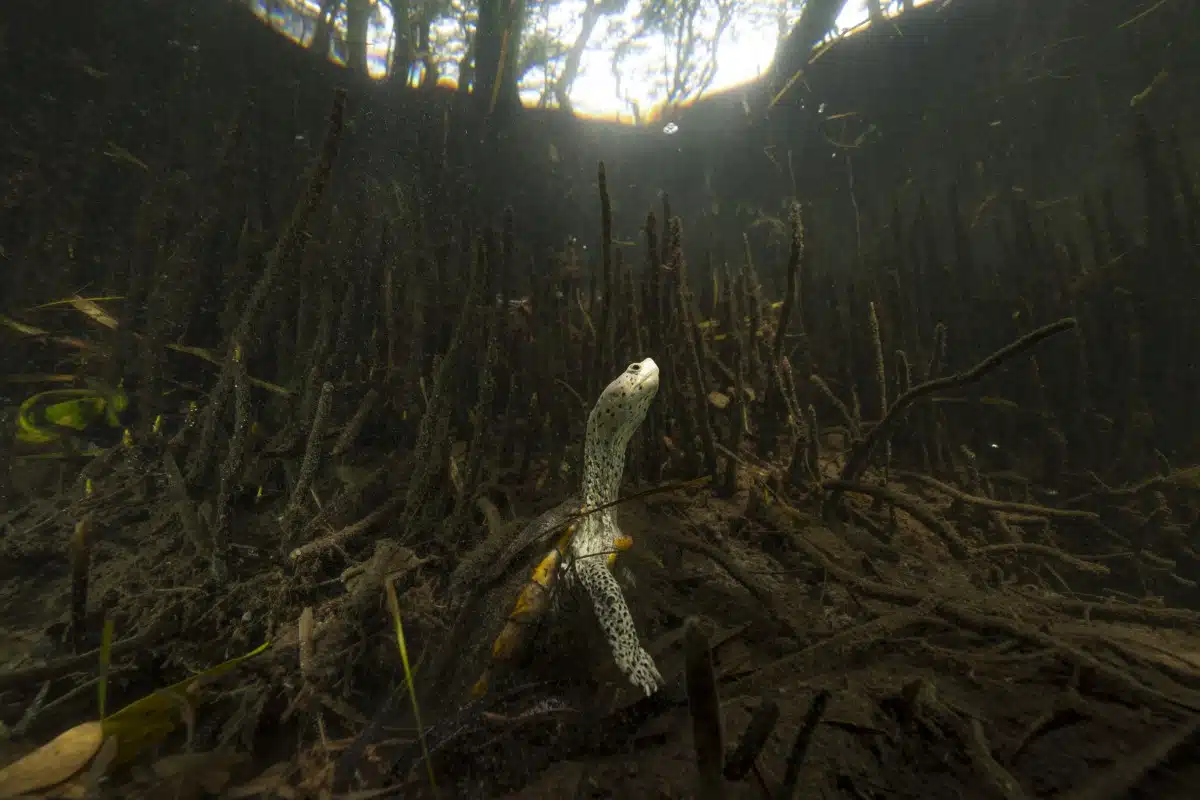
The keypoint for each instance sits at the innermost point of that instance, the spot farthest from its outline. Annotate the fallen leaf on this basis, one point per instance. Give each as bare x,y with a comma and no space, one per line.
53,762
92,310
717,399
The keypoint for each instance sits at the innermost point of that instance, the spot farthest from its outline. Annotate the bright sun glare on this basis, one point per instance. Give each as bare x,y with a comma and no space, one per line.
746,51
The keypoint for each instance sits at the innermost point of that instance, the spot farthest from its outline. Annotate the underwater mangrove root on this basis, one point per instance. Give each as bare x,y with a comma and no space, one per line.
231,467
308,467
354,427
189,520
861,452
998,505
791,777
704,702
1046,552
1122,778
688,541
80,555
743,757
836,651
914,507
290,242
165,624
390,507
953,610
923,701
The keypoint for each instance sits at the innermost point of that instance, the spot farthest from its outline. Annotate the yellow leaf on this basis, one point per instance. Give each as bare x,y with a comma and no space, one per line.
151,719
719,400
21,327
94,312
54,762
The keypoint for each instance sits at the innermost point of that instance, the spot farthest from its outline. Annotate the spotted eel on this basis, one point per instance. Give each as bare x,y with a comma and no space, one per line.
617,414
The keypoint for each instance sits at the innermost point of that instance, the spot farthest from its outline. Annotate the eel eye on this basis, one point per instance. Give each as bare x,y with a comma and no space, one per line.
635,368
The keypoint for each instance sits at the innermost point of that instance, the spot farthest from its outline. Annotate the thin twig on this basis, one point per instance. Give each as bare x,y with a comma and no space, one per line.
861,453
998,505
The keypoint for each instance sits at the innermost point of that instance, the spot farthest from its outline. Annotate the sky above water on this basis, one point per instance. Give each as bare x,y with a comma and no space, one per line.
746,51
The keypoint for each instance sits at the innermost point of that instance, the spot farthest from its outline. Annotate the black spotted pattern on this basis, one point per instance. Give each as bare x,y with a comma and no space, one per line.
617,414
